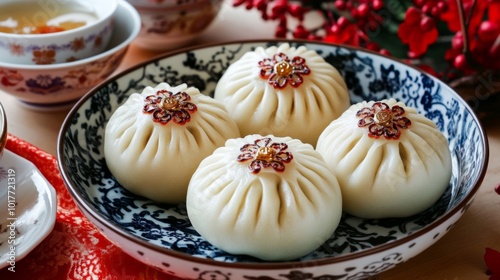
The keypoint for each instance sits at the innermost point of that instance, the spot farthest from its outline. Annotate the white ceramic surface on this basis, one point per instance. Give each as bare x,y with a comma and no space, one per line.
59,47
29,204
57,86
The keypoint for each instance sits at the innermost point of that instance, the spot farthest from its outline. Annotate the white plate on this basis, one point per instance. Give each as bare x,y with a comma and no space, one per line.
28,202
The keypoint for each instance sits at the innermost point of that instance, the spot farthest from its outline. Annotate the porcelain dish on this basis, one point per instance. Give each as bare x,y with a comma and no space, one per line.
162,236
58,86
30,204
168,25
59,47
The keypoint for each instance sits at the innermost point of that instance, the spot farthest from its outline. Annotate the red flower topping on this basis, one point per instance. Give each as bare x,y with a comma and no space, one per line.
492,260
345,31
418,31
166,106
265,154
280,70
382,120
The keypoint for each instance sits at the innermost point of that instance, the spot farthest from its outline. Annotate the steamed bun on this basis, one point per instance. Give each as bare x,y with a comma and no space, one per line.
390,160
270,197
154,141
284,91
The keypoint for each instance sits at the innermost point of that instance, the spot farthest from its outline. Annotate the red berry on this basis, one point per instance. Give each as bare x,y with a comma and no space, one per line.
283,22
427,24
385,52
460,62
373,46
419,3
412,14
372,26
300,32
377,5
457,43
426,9
314,37
334,29
413,54
488,31
494,51
261,5
342,22
280,32
442,6
340,5
363,10
435,12
296,11
279,8
354,13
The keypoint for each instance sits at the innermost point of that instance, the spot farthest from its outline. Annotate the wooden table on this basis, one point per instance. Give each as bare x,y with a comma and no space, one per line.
458,255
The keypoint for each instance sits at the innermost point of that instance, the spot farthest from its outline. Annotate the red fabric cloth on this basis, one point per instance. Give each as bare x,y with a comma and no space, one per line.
75,249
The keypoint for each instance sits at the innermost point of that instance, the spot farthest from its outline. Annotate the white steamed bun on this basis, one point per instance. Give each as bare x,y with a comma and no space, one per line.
284,91
270,197
390,160
156,139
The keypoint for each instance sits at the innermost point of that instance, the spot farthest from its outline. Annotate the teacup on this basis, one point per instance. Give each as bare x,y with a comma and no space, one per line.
54,31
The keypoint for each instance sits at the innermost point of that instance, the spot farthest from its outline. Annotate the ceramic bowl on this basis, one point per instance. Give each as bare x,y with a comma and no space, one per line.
161,235
156,3
64,46
50,87
168,24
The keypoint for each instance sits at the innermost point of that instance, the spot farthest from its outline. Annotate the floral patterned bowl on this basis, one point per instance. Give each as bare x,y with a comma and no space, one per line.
59,47
162,236
168,24
48,87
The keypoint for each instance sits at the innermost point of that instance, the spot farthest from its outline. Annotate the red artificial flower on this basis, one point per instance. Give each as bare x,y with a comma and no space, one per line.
418,31
494,11
452,16
492,260
344,32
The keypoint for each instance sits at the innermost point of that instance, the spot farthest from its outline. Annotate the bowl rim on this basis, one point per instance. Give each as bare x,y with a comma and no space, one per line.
174,6
107,15
131,13
80,201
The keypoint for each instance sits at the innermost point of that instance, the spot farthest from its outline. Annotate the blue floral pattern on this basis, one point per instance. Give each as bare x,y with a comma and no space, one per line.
368,76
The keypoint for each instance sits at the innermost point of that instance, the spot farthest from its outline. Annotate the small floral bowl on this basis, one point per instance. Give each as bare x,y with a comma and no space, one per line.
48,47
168,24
161,235
55,86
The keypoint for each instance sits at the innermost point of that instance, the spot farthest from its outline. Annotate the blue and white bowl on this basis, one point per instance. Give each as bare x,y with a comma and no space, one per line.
162,236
